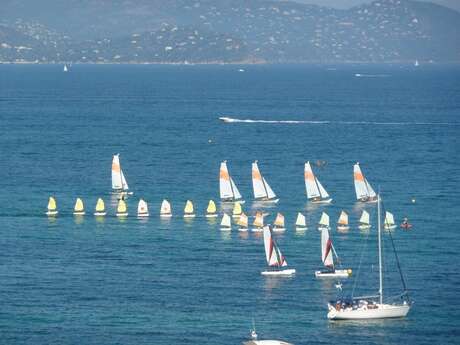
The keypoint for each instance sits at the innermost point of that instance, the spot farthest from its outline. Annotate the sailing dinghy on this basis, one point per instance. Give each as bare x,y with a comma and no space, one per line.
278,224
342,223
237,210
119,184
122,210
165,209
100,208
363,189
262,190
364,221
323,222
142,209
243,222
52,207
301,222
327,256
227,188
275,260
226,223
372,307
315,190
258,222
188,210
211,210
79,208
389,223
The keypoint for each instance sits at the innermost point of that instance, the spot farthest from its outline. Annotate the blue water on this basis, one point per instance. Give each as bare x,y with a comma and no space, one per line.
112,281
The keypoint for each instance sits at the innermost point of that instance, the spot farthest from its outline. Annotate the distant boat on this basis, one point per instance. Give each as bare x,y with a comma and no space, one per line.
79,209
100,208
237,210
315,190
364,221
258,222
301,222
188,210
405,224
389,222
142,209
327,256
119,184
122,210
416,64
342,223
262,190
324,221
226,223
241,70
52,207
65,68
228,190
211,210
275,259
278,224
363,189
165,209
243,222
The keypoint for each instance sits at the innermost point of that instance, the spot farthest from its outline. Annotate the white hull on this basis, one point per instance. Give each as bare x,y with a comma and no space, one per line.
232,201
285,272
236,216
257,230
368,201
383,311
266,342
189,216
51,213
322,201
225,228
122,214
121,192
266,201
275,229
243,229
335,274
301,228
79,213
166,215
211,215
343,227
364,226
390,227
99,214
321,228
143,215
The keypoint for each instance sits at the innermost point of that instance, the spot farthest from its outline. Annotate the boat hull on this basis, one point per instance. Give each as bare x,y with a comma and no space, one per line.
266,342
51,213
232,201
389,227
225,228
190,215
286,272
257,230
383,311
266,201
243,229
364,227
212,215
166,215
301,228
79,213
321,228
142,215
336,274
275,229
100,214
122,214
343,227
322,201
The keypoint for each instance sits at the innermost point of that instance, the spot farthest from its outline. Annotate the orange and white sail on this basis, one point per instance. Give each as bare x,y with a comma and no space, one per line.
227,188
279,221
343,218
165,209
313,187
142,209
243,221
259,220
118,178
262,190
363,189
273,254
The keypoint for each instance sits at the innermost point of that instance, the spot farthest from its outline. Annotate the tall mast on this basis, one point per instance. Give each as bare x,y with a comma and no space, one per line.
380,251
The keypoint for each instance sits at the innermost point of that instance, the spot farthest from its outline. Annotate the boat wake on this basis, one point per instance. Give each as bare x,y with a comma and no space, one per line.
363,75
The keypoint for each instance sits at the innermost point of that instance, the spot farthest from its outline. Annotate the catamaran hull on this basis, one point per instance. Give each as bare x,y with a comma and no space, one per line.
287,272
100,214
383,311
266,201
51,213
232,201
335,274
79,213
189,216
211,215
323,201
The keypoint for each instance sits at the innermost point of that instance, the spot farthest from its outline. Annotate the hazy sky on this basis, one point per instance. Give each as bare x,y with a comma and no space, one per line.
349,3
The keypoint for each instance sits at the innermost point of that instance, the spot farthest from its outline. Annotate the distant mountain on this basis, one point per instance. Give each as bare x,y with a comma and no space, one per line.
201,31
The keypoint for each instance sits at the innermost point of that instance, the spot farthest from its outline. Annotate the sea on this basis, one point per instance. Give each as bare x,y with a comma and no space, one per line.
87,280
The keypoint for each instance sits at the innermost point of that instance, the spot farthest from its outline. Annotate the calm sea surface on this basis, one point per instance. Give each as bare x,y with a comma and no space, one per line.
112,281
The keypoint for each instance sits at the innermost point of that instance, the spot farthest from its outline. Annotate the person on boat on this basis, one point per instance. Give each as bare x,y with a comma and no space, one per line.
405,222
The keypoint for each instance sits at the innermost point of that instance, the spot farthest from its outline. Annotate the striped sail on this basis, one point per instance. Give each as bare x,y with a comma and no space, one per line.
272,253
260,186
312,185
227,187
326,249
118,178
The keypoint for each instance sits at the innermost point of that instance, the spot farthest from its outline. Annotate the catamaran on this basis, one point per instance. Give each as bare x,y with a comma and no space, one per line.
119,184
364,221
122,210
315,190
100,208
323,222
237,210
372,307
211,210
327,256
278,224
165,209
79,208
227,188
243,222
342,223
52,207
142,209
275,259
262,190
226,223
258,222
363,189
188,210
389,222
301,222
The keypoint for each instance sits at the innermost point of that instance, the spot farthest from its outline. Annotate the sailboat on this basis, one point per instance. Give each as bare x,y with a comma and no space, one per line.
364,221
416,64
301,222
79,209
372,307
142,209
52,207
227,188
342,223
211,210
100,208
226,223
275,259
243,222
327,256
278,224
315,190
363,189
389,222
65,69
262,190
119,184
122,210
165,209
237,210
188,210
258,222
323,222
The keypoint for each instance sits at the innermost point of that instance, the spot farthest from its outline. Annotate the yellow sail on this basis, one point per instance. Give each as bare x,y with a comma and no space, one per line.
188,207
52,204
343,219
279,221
79,206
237,209
211,207
259,220
121,208
100,206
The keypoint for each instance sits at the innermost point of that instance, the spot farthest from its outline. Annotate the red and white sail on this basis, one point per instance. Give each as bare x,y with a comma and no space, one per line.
326,249
272,252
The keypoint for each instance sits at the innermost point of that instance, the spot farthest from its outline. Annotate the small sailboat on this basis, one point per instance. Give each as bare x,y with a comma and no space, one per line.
342,223
243,222
188,210
275,260
372,307
142,209
227,188
327,256
262,190
324,221
364,221
237,210
301,222
65,69
52,207
122,210
226,223
363,189
278,224
211,210
416,63
389,222
119,184
79,209
258,222
315,190
100,208
165,209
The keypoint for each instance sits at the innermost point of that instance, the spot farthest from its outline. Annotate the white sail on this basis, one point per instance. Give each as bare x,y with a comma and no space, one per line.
124,184
363,188
279,221
370,190
322,191
326,249
365,219
236,192
165,208
118,178
389,219
272,253
260,186
142,208
300,221
324,221
270,193
343,219
310,183
226,221
227,187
